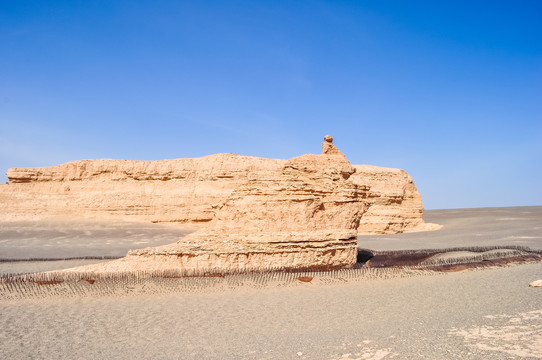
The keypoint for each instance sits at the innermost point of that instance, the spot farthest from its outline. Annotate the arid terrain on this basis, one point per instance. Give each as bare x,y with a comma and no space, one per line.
489,313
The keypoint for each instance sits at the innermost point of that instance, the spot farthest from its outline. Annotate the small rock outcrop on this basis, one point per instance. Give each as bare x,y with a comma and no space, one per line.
329,149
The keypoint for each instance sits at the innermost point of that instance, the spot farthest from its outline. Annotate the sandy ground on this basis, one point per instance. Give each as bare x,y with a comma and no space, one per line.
484,314
520,226
474,314
20,267
60,239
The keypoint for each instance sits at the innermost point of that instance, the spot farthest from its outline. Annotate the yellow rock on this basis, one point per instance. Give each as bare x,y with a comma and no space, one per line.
252,213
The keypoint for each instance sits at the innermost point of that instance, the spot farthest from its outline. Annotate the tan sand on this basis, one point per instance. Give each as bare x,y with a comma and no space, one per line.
18,267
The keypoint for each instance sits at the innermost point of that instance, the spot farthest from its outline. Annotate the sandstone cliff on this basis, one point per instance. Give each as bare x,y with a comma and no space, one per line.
394,203
185,191
253,213
306,216
180,190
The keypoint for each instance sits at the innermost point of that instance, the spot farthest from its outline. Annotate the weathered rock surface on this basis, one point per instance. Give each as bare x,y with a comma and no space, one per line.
394,203
186,191
253,213
180,190
307,216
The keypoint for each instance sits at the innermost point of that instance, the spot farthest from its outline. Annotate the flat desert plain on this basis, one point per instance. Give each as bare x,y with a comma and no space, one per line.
488,313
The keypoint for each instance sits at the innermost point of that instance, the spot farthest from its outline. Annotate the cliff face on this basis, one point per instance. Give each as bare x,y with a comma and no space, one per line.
186,191
394,203
180,190
252,213
305,216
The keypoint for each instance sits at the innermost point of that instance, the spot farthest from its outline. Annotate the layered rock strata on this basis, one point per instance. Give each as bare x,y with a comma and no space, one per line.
183,191
394,204
307,217
253,213
187,191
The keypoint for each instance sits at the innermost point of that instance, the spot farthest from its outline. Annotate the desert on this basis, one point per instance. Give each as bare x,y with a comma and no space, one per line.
482,313
81,273
304,180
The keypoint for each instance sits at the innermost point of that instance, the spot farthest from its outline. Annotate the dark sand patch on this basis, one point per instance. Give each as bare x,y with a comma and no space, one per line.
439,259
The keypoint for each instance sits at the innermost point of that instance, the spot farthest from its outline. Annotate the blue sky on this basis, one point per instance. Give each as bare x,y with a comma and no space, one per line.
450,91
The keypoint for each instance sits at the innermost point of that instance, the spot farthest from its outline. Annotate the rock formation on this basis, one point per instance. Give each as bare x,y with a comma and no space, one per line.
181,191
307,216
253,213
394,203
328,148
187,191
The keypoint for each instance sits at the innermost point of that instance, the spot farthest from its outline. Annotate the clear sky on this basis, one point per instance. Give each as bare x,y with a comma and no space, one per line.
450,91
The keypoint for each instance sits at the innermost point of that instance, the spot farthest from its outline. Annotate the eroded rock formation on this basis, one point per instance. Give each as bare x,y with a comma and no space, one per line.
181,191
394,203
186,191
253,213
